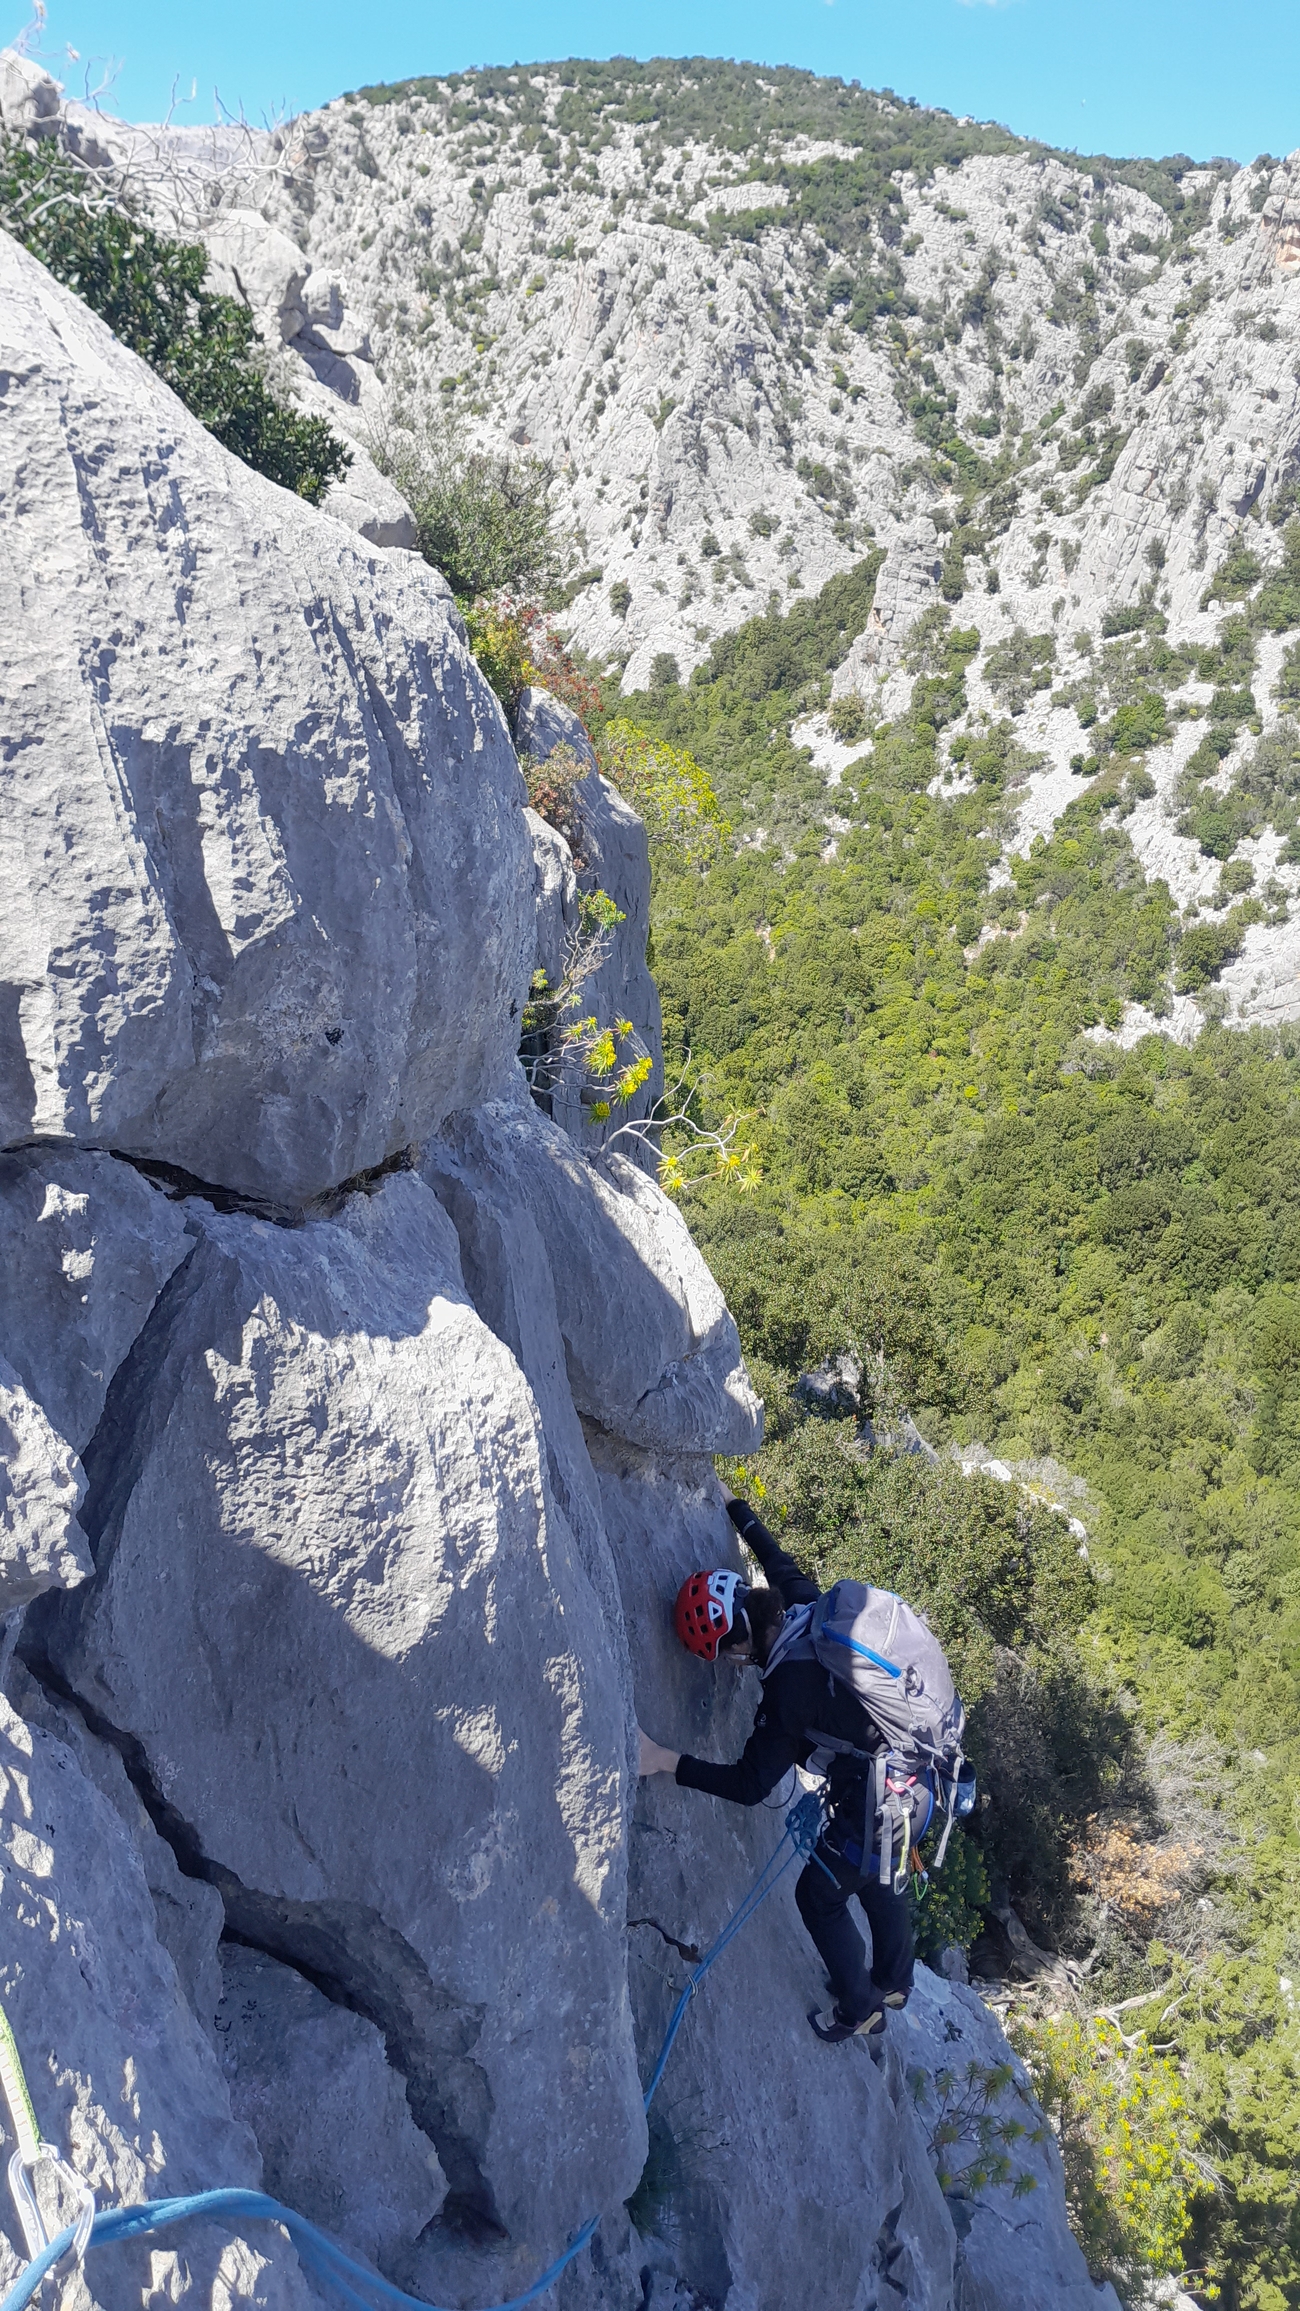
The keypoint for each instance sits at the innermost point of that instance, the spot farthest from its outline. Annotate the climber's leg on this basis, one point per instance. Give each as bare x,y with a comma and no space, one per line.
824,1907
889,1916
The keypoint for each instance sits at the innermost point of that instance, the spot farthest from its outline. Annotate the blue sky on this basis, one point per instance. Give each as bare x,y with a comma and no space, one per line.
1118,76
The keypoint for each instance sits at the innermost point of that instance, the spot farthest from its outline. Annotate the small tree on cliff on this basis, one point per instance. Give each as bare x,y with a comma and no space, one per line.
483,519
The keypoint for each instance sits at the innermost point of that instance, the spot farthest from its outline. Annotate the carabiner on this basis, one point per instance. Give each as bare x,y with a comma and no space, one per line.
33,2222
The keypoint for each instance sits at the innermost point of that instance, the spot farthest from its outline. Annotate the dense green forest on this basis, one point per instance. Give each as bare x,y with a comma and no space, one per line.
1078,1256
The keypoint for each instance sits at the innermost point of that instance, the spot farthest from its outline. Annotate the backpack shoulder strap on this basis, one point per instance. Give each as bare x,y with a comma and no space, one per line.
792,1642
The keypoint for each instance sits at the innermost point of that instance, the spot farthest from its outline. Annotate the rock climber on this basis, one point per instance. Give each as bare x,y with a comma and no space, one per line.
719,1618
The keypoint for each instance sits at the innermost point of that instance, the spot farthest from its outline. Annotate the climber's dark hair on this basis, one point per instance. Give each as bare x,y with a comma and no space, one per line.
759,1615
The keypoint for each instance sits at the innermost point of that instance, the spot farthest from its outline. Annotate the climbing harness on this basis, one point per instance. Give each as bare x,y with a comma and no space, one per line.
361,2289
31,2153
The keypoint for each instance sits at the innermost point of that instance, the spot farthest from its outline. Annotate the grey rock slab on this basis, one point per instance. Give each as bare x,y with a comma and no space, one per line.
650,1348
340,1611
270,914
262,269
508,1276
42,1546
124,2083
367,502
337,2139
86,1245
543,723
32,105
555,897
1015,2253
188,1913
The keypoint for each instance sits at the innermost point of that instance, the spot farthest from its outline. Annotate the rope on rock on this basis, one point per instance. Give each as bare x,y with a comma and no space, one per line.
360,2288
32,2152
803,1826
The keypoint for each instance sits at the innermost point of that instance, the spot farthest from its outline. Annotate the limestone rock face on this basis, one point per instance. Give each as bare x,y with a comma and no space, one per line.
555,893
333,375
507,1267
268,919
366,501
311,2080
121,2076
651,1350
328,1491
41,1544
542,723
86,1246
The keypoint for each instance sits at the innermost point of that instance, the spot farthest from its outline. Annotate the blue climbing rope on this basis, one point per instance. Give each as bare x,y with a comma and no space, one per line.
235,2206
803,1824
329,2262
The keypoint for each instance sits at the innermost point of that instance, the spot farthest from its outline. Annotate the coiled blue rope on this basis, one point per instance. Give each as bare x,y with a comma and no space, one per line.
319,2252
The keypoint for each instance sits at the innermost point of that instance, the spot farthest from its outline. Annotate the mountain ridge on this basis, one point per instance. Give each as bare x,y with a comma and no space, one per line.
1057,394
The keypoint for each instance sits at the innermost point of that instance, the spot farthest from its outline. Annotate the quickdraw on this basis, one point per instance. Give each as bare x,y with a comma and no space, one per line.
33,2152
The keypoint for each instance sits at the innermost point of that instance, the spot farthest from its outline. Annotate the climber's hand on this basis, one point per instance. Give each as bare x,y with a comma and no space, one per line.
655,1758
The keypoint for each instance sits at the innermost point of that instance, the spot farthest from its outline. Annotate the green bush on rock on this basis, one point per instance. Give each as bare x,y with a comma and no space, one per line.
483,520
151,293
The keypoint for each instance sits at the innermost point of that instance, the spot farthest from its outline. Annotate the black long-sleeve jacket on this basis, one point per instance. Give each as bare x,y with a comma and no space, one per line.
800,1700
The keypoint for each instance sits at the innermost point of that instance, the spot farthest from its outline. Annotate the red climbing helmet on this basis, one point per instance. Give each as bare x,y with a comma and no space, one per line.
706,1611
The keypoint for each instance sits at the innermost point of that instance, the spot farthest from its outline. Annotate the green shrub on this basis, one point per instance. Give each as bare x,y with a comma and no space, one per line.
1016,668
1128,2142
1286,690
974,2133
948,1910
1278,605
989,1567
1207,947
1236,577
670,792
151,293
1122,621
483,520
848,718
1139,723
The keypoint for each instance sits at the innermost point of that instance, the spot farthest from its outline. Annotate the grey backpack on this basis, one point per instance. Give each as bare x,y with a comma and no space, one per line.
893,1663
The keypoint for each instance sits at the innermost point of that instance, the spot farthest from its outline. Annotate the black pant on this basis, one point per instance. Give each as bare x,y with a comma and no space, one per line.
824,1907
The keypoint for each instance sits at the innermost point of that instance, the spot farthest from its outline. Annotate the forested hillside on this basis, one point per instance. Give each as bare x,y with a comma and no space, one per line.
1066,1252
757,328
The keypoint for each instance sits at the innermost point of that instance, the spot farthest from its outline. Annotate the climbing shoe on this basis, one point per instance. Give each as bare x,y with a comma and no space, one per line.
834,2029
